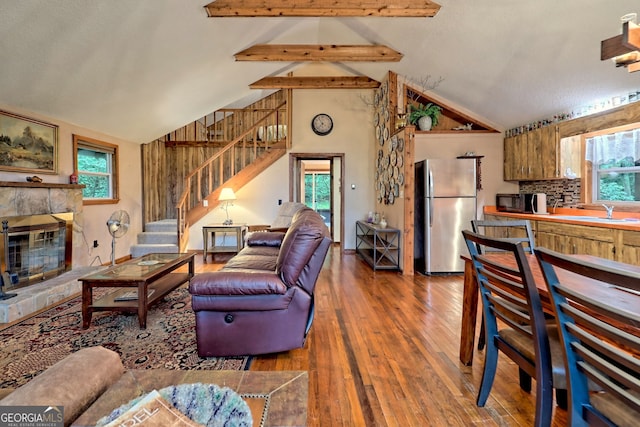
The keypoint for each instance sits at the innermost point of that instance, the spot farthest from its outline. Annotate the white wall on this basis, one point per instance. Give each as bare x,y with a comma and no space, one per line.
353,135
95,216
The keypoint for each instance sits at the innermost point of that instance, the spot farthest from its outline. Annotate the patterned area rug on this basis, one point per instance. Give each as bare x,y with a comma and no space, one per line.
169,342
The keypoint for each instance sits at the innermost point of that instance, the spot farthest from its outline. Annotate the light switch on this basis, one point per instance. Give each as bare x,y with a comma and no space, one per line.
353,186
205,203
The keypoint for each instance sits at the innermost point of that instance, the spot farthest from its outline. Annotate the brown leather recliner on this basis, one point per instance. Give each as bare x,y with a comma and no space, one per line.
261,301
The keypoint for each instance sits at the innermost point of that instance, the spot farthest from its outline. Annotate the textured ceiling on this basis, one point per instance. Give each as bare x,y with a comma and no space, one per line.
139,69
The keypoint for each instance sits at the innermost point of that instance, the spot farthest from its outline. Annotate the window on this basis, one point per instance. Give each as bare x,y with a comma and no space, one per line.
615,159
317,190
96,165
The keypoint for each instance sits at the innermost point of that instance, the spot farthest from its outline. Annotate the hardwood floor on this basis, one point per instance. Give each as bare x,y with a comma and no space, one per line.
383,351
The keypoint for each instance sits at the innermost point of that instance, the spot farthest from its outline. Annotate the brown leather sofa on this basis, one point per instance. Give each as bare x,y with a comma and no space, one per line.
261,301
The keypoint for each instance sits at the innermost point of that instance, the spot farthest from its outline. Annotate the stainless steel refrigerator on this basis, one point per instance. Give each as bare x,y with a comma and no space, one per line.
445,204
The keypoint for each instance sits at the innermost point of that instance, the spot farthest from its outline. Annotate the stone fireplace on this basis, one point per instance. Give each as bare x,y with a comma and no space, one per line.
42,276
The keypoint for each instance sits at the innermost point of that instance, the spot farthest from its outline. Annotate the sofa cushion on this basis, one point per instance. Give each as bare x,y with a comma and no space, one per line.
251,262
305,234
75,382
265,238
236,282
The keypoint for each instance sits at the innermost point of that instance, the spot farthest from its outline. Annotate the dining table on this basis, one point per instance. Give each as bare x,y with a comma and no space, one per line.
619,299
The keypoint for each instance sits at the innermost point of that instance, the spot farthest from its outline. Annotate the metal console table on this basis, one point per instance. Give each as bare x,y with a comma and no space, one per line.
379,247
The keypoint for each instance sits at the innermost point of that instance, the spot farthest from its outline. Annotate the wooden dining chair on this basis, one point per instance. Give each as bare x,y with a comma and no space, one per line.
601,344
510,299
517,230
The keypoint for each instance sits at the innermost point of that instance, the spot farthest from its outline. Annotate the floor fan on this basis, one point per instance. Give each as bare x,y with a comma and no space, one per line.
118,225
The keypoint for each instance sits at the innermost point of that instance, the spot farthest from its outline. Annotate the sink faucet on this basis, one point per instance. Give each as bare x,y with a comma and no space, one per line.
609,211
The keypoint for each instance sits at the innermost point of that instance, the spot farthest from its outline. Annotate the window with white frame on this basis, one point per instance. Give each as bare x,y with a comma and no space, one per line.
96,165
615,158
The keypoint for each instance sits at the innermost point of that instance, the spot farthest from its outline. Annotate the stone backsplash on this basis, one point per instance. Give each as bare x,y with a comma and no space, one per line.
565,191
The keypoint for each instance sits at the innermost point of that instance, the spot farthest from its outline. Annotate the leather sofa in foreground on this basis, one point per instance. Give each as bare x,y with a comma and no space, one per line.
261,301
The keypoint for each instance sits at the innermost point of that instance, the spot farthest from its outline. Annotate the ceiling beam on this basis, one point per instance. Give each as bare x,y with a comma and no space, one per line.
631,35
621,44
342,82
318,8
318,52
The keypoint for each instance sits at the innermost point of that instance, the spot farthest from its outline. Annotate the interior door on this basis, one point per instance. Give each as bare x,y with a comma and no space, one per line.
316,181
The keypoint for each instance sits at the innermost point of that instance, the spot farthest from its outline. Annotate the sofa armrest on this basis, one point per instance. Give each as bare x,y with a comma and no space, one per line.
237,282
265,238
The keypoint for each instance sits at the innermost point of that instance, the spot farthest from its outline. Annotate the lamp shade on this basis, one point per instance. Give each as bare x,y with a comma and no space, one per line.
227,194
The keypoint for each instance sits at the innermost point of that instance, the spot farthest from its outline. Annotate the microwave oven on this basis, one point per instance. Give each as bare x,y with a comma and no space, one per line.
519,203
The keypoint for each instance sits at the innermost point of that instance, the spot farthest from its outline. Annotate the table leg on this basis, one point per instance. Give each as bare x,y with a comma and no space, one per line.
142,305
205,242
192,267
87,300
469,314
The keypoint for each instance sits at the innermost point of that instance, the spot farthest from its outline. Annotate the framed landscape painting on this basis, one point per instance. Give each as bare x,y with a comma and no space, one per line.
27,145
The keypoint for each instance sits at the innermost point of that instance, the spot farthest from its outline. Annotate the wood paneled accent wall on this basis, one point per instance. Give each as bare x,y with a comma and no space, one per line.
169,159
164,171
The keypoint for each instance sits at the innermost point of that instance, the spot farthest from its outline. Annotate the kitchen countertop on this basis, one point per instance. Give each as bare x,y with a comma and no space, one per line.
622,220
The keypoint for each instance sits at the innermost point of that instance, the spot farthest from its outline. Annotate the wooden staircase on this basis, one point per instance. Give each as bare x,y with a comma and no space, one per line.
190,209
227,148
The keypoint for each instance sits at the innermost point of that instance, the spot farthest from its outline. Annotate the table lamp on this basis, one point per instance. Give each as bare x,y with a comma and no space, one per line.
226,197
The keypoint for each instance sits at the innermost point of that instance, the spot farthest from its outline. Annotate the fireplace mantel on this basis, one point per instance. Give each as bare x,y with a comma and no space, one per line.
40,185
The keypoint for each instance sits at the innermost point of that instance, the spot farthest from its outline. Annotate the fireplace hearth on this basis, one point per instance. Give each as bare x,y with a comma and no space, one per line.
35,248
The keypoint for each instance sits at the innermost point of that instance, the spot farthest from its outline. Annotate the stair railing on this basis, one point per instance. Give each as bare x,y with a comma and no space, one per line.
231,159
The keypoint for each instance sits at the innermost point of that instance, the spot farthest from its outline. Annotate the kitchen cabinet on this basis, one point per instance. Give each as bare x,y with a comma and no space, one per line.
378,246
503,232
576,239
515,157
630,242
533,155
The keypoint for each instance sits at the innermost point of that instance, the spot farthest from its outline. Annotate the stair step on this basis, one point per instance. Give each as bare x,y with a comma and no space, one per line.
140,250
158,237
164,225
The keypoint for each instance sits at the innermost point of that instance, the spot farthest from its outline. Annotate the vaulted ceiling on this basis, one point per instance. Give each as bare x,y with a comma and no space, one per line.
139,69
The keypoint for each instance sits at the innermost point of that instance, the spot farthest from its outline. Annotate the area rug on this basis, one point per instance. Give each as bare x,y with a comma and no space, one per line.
169,341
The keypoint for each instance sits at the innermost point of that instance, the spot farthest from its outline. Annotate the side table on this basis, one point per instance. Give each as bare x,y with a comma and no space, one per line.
378,246
239,231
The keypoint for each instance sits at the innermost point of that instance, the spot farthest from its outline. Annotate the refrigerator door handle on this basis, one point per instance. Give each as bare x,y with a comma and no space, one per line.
430,198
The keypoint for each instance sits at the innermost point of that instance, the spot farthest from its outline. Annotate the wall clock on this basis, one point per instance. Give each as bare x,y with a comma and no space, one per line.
322,124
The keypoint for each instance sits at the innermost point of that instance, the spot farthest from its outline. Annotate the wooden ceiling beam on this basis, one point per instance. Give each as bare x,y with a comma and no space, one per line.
631,35
318,52
342,82
621,44
320,8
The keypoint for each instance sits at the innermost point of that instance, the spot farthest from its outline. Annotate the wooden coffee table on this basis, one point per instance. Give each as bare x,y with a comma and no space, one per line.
150,277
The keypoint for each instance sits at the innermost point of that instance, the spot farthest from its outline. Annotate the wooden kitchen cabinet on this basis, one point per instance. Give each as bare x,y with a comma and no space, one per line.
503,232
577,239
533,155
515,158
630,241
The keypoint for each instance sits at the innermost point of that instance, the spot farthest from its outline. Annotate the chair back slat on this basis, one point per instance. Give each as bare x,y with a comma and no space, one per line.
601,343
513,231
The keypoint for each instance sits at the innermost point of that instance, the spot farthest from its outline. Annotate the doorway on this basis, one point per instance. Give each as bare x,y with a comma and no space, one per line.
316,179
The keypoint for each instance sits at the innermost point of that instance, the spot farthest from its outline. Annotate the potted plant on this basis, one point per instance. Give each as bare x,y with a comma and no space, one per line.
425,116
